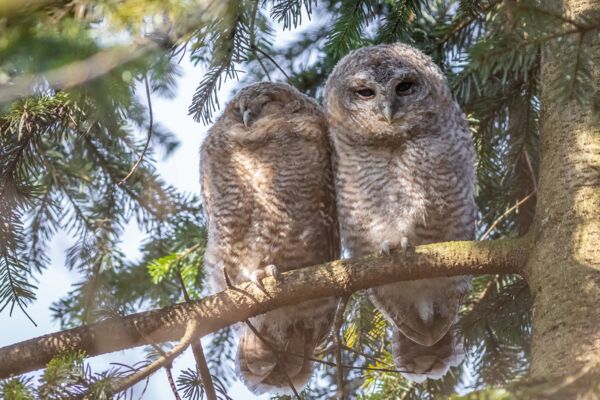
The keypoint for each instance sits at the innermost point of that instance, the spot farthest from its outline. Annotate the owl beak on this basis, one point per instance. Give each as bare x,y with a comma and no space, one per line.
246,118
388,113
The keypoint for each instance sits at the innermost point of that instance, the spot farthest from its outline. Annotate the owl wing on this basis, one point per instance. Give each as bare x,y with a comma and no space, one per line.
334,228
331,212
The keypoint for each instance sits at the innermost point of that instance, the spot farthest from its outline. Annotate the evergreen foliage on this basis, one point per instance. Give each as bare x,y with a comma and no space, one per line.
66,149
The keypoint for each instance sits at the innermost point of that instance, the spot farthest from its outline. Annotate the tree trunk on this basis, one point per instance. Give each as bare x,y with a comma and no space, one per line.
563,270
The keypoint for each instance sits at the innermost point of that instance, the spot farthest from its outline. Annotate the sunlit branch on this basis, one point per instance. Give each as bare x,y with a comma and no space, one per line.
246,300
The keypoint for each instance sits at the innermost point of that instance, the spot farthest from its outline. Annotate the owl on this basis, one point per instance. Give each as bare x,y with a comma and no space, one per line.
268,193
404,175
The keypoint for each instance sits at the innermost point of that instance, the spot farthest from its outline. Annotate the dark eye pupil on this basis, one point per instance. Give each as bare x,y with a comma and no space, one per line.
365,92
403,87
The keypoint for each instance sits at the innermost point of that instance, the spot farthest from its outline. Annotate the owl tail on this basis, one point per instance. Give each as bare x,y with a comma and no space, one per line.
422,362
264,370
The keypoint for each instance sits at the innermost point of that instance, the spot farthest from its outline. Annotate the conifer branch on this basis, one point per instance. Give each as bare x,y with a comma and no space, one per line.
197,350
79,72
246,300
191,333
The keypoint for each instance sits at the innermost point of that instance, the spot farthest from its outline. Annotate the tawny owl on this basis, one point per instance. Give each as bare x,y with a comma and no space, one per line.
404,173
269,196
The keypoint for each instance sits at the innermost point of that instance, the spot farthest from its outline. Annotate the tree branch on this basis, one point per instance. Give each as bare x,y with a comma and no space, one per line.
246,300
78,72
338,321
190,335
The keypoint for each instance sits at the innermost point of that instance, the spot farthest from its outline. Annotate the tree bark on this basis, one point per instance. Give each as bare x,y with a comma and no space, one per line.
238,303
564,266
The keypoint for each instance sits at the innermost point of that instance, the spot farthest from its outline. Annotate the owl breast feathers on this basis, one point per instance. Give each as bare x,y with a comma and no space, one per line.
404,175
268,193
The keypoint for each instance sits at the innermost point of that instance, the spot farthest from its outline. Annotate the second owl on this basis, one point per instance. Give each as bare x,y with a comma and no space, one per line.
404,168
268,194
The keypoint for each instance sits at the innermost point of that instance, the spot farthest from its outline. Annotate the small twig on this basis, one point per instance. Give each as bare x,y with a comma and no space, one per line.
275,351
186,295
203,370
367,356
332,364
337,342
262,66
172,382
254,47
253,38
271,346
197,350
506,213
484,293
150,126
464,23
191,333
189,250
149,340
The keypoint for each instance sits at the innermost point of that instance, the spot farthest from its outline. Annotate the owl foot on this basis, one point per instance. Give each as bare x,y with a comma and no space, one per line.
261,273
404,244
387,247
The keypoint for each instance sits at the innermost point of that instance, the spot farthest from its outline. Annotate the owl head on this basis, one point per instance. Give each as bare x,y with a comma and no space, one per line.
266,110
386,92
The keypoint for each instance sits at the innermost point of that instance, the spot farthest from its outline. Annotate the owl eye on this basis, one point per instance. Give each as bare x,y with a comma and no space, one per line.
366,93
403,88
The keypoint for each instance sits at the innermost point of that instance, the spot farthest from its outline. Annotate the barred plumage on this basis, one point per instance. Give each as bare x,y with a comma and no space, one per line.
268,193
404,172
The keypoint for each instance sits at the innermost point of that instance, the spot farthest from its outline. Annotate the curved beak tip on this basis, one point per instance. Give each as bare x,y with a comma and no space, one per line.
387,113
246,118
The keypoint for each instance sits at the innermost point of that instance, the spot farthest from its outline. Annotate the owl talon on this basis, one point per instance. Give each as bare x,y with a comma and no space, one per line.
386,248
272,270
261,273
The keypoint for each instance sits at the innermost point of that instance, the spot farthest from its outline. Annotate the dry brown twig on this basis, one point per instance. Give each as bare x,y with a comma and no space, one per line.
277,352
197,350
506,213
191,333
338,321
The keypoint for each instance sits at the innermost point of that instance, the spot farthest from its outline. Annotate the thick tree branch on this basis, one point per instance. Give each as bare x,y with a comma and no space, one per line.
238,303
